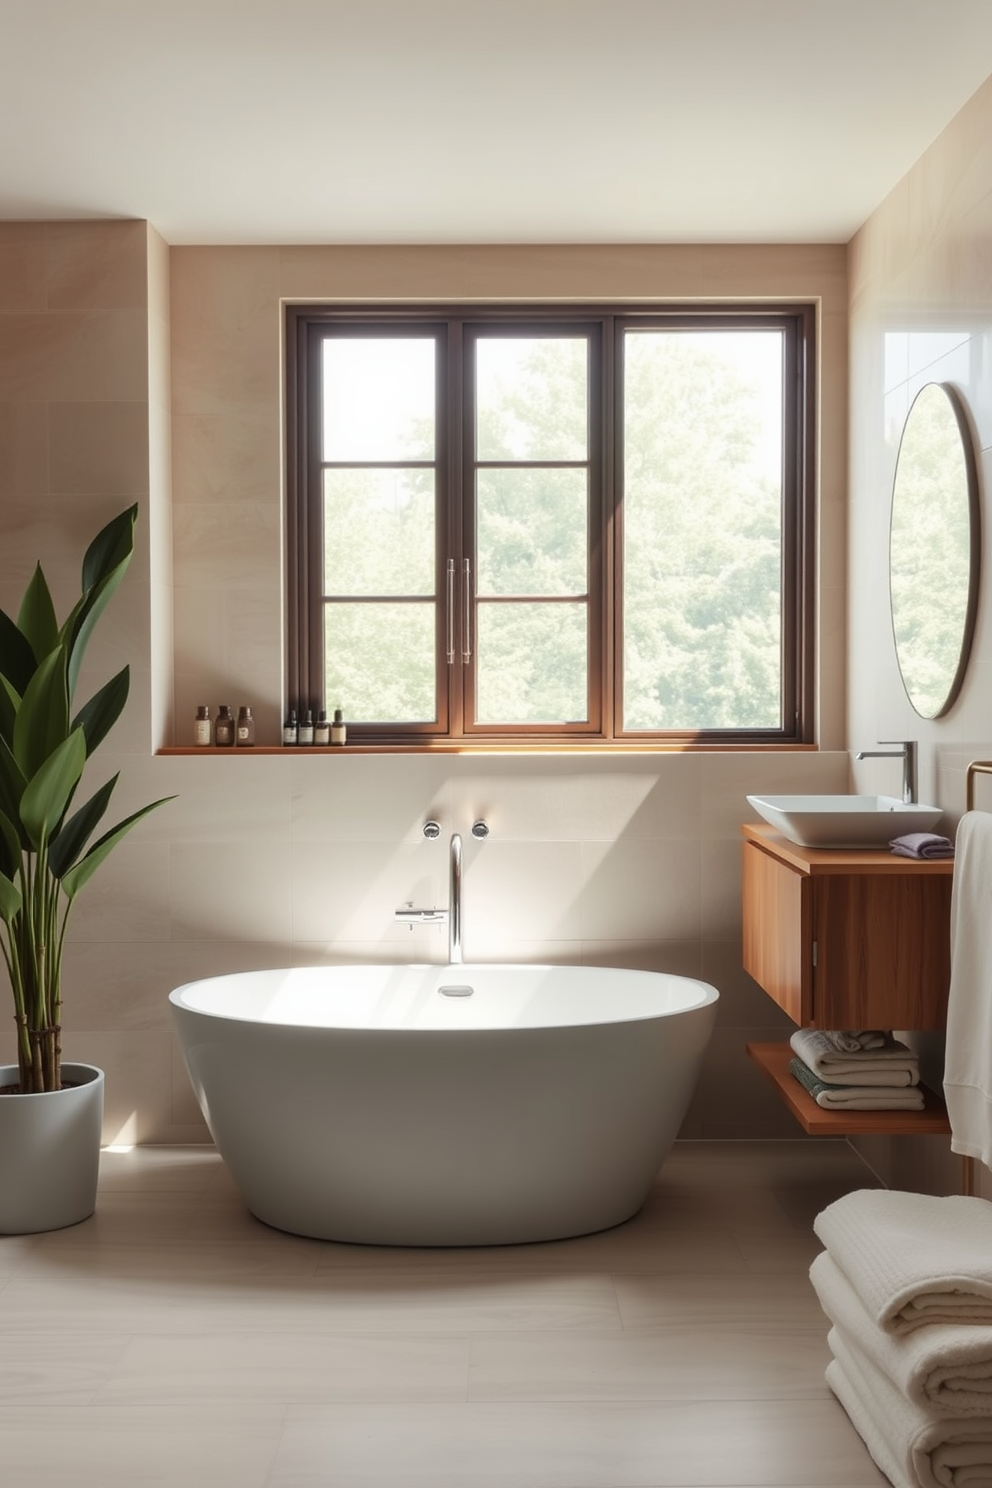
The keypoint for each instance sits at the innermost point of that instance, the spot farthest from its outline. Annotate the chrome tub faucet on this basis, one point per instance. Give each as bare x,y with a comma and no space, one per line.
453,914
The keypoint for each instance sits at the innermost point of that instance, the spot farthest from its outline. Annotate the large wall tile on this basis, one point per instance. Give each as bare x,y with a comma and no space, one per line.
99,449
579,797
94,355
354,798
22,267
23,450
225,891
96,265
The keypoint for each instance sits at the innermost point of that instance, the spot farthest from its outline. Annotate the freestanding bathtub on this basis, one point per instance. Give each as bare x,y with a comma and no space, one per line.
444,1105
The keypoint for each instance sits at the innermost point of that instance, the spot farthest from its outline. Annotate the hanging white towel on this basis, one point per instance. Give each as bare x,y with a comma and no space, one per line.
945,1368
912,1446
913,1258
968,1056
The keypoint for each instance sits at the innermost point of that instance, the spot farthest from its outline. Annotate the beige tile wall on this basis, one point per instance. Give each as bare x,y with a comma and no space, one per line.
921,311
267,861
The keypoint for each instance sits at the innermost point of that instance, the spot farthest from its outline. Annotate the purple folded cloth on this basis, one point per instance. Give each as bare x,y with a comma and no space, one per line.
922,845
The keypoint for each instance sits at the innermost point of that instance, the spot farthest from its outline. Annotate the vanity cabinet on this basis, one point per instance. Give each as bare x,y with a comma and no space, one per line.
847,939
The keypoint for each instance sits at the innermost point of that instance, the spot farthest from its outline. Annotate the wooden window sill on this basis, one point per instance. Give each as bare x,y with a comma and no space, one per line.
464,746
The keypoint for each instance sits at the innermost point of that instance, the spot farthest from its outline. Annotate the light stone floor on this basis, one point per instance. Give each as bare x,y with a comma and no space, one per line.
172,1340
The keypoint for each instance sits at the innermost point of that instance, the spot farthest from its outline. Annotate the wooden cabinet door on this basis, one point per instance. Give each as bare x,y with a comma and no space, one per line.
777,912
882,951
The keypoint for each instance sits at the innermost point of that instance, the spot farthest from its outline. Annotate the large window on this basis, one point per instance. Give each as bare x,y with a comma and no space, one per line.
543,526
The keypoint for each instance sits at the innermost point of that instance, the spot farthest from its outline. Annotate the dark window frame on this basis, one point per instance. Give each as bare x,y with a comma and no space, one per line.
304,326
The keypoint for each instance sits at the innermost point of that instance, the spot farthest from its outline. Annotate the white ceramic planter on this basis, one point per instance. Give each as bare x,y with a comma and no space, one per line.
50,1152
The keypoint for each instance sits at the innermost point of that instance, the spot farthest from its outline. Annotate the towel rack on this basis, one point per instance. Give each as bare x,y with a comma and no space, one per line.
977,767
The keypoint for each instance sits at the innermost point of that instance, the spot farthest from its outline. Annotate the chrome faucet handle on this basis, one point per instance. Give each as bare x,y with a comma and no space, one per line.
480,830
420,916
432,829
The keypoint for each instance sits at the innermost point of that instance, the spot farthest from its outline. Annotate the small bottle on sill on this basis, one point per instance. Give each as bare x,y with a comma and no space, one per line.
322,729
246,729
202,730
290,732
306,729
339,729
224,728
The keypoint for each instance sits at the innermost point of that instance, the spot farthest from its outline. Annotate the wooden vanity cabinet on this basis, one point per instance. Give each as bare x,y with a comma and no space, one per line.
847,938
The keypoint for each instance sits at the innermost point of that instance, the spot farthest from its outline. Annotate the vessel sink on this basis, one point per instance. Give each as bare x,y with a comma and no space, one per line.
844,821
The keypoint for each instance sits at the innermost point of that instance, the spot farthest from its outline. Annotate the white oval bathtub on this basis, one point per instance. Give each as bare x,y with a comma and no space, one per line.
444,1105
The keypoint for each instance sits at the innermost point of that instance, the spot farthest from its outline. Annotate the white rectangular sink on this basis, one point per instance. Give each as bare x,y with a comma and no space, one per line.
844,821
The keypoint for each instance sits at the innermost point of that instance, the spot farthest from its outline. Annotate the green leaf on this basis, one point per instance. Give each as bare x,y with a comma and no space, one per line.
42,721
17,660
79,627
104,565
10,847
112,546
36,617
73,835
97,717
10,701
12,787
10,899
84,870
49,791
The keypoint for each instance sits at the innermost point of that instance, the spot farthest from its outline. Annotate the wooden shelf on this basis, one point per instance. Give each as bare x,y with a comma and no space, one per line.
773,1061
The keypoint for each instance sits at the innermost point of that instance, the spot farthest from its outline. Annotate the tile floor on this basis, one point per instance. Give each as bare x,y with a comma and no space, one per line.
172,1340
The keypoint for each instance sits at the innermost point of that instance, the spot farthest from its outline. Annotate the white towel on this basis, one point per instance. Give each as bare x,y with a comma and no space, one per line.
968,1055
945,1368
913,1258
892,1064
913,1447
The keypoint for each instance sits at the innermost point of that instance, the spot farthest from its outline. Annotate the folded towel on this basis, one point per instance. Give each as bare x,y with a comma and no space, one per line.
890,1064
856,1097
945,1368
922,845
911,1446
913,1258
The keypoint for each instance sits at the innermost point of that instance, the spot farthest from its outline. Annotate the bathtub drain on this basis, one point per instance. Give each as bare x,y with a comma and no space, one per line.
456,991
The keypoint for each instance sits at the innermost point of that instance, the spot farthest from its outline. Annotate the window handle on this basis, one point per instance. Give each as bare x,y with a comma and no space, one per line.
467,611
451,612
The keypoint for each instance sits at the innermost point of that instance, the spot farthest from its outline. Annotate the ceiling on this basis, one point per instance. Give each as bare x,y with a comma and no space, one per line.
260,121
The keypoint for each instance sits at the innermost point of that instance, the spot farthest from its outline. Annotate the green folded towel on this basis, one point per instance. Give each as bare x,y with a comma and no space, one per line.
856,1097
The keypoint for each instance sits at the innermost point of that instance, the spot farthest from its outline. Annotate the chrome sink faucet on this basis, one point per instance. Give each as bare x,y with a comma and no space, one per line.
453,914
907,753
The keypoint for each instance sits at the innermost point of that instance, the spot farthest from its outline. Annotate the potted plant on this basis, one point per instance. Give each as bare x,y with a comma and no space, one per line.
50,1112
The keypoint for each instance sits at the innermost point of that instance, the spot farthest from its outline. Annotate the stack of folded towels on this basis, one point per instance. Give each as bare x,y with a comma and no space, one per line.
906,1281
859,1070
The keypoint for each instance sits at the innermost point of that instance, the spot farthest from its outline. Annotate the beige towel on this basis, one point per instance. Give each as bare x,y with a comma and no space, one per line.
968,1056
945,1368
913,1258
913,1447
890,1063
856,1097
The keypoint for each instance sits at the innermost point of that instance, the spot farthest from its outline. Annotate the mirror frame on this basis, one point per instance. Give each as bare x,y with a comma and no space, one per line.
961,415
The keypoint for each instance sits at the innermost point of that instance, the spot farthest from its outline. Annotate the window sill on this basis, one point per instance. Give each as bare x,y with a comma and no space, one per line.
492,747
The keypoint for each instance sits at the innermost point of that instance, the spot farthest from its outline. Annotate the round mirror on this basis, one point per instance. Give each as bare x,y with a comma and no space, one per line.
934,546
